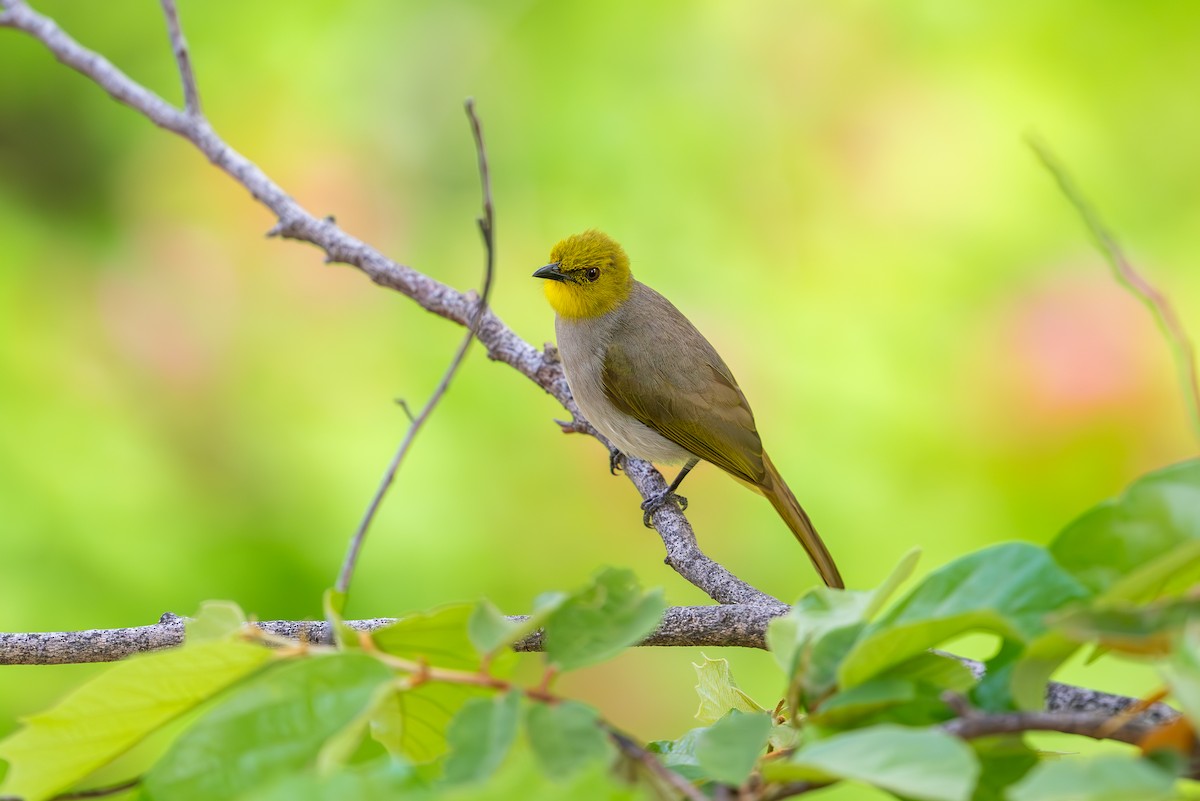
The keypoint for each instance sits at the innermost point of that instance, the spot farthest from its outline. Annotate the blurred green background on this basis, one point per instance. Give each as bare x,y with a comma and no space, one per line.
837,193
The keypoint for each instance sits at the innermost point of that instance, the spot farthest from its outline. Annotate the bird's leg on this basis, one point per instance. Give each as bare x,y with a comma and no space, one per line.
652,505
616,461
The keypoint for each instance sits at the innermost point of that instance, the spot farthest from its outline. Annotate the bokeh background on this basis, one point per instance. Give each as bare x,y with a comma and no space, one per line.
837,193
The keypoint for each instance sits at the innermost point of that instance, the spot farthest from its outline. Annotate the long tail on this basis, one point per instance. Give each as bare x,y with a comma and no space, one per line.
789,509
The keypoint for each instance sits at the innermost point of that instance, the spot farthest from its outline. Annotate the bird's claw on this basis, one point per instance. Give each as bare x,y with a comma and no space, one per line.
616,461
652,505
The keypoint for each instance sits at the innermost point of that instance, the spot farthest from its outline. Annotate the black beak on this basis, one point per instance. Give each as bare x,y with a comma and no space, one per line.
552,272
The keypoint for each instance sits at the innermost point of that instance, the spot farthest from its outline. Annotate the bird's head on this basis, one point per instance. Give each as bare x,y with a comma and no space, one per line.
588,276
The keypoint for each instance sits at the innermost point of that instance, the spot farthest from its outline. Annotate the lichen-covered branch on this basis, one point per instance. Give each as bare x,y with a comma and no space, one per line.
743,625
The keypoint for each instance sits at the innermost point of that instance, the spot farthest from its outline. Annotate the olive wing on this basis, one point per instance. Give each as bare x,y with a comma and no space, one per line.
687,394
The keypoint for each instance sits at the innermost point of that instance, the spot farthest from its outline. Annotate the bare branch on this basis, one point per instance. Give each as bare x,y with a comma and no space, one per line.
1084,724
742,625
191,97
92,645
295,222
1129,277
1069,698
487,229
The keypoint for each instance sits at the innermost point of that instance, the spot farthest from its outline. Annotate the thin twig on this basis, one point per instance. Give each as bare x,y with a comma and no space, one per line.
191,97
1129,277
487,229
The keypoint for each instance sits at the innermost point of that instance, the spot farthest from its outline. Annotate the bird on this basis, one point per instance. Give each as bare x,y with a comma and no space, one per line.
650,382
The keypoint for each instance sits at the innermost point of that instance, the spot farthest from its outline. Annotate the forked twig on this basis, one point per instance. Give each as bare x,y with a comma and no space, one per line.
191,97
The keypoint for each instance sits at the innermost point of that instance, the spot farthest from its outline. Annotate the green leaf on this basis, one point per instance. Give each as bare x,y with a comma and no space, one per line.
602,619
680,755
852,705
565,736
1141,630
917,685
1116,777
900,574
386,726
270,727
819,612
1008,589
215,620
1127,547
1171,574
995,692
1182,673
718,692
522,777
412,723
935,669
384,781
811,640
118,708
727,750
438,638
1003,761
783,737
924,764
345,744
480,736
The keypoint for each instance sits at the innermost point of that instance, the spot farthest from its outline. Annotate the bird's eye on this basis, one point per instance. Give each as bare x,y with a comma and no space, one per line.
592,273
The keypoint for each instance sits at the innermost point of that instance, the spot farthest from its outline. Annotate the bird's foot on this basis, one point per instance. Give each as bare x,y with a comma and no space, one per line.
653,504
616,461
573,426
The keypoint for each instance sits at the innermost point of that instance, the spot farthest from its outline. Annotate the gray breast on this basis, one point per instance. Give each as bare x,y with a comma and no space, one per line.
582,347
